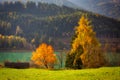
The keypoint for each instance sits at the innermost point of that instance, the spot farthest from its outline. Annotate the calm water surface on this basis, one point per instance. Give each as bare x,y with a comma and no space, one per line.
15,56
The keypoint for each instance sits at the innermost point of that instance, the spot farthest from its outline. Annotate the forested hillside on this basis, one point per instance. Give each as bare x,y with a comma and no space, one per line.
109,8
49,23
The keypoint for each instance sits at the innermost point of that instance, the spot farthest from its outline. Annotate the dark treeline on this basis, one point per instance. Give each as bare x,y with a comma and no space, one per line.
41,9
50,23
38,23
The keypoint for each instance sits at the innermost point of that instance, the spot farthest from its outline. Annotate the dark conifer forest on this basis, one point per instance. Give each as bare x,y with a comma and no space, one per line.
25,26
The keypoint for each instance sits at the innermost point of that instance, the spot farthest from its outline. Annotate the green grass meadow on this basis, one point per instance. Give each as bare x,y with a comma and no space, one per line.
104,73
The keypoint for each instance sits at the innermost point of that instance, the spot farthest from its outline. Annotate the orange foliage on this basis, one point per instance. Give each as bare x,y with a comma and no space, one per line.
44,56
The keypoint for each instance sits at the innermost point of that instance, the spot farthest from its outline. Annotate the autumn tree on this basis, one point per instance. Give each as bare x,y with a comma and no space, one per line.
85,40
44,56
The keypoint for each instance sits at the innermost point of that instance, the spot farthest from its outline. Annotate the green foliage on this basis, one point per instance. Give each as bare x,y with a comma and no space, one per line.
105,73
73,60
61,57
113,59
78,63
69,60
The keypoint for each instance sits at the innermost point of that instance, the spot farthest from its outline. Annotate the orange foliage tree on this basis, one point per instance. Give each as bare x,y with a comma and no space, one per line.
44,56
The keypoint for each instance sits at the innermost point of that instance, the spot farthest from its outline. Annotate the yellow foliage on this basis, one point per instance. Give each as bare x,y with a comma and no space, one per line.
86,37
44,56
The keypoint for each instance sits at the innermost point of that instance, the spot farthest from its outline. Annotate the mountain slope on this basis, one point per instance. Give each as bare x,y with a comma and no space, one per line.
51,24
109,8
57,2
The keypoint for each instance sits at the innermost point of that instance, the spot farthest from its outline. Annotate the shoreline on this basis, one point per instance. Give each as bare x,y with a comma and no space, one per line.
15,50
24,50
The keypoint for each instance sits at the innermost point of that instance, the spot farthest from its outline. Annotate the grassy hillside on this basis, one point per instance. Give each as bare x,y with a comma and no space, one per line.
105,73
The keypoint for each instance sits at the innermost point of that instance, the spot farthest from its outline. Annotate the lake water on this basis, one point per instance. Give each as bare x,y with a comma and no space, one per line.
24,57
113,58
15,56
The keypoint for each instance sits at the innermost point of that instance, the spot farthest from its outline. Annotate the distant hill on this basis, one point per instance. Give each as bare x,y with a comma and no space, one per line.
109,8
56,2
50,23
